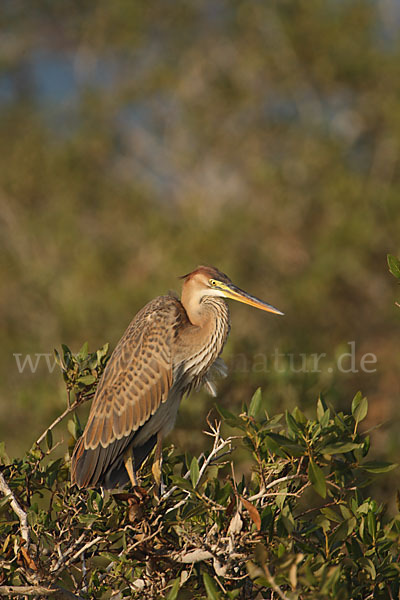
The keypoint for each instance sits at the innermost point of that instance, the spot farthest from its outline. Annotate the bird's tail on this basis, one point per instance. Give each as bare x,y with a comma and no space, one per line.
105,466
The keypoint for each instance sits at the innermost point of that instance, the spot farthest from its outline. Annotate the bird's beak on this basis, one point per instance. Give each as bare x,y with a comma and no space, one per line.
235,293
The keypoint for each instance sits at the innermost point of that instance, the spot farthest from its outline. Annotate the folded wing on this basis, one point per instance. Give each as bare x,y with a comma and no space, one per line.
135,383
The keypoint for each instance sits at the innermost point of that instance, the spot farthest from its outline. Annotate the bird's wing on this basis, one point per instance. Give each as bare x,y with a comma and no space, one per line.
136,381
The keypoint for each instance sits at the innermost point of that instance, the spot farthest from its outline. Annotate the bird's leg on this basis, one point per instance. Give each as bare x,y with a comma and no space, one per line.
129,466
156,468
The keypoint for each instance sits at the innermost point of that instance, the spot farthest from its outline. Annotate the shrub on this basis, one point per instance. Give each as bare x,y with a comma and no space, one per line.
297,524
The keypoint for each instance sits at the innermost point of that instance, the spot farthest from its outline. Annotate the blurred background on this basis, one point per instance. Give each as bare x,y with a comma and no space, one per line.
139,140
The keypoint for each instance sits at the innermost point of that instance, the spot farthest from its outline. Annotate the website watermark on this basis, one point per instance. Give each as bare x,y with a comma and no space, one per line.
348,361
32,362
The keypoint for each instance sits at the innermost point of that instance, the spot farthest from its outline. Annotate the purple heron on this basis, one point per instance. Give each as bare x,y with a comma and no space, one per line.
169,349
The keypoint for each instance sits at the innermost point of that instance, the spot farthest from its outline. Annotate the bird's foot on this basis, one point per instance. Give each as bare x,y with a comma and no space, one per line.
159,485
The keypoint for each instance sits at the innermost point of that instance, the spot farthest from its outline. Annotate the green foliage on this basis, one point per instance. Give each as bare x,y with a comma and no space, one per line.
394,265
82,370
261,137
299,519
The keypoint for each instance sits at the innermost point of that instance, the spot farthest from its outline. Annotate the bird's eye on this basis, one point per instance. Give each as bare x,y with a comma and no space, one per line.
212,282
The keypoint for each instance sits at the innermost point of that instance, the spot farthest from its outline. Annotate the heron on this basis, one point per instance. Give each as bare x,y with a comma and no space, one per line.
170,348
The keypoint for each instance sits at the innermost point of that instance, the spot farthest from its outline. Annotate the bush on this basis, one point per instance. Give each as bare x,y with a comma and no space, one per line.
297,524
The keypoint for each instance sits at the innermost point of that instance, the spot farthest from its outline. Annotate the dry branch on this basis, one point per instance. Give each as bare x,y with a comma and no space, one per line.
37,590
58,420
21,514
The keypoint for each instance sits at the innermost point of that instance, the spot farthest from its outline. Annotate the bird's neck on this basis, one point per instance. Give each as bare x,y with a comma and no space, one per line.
202,340
209,324
201,311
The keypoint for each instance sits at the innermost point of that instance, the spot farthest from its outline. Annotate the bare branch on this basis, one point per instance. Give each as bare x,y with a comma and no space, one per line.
169,492
273,584
21,514
63,557
194,556
66,412
261,493
37,590
97,539
218,445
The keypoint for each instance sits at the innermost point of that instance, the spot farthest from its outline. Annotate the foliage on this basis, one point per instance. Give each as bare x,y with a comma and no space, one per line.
141,139
299,523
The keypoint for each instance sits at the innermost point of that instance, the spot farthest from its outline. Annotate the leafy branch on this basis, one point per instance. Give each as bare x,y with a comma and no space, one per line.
296,524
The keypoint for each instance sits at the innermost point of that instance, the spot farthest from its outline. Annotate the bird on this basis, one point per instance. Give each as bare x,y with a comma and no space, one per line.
170,348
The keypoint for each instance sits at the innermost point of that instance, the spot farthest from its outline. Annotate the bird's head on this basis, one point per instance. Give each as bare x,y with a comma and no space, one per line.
209,281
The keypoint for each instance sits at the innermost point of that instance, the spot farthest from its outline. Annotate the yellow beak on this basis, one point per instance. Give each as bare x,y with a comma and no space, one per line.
235,293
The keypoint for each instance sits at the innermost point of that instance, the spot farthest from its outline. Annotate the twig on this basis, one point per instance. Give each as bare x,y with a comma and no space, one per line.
37,590
21,514
84,574
273,484
62,557
85,547
274,585
146,539
171,490
30,590
218,445
193,556
66,412
128,549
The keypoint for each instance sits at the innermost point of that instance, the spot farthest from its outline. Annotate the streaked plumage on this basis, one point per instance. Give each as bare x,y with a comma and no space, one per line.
169,348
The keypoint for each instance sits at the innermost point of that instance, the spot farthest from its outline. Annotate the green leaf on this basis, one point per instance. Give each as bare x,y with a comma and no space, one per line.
57,358
212,592
273,446
323,412
394,265
83,352
95,501
67,355
359,407
368,566
344,530
86,379
340,447
371,522
87,519
378,466
346,512
322,522
110,556
321,408
317,478
182,483
4,458
299,416
49,439
255,403
331,514
71,426
101,352
230,419
173,593
194,471
287,445
292,424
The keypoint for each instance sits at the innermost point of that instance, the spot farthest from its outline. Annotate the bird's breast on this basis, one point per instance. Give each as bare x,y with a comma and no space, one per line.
203,345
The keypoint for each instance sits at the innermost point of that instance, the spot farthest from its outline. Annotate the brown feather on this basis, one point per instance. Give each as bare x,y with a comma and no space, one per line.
130,391
161,356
